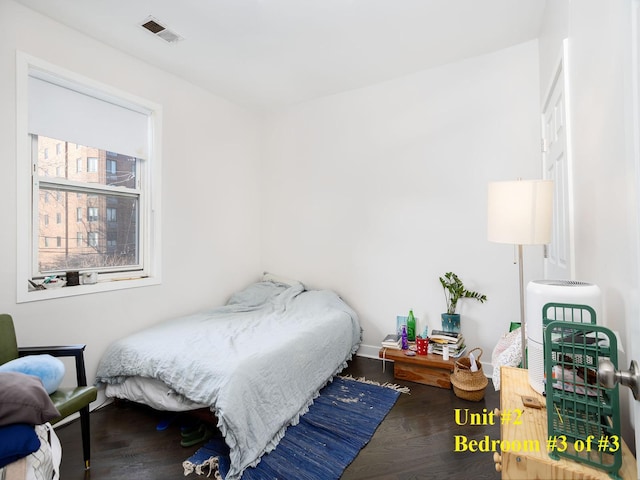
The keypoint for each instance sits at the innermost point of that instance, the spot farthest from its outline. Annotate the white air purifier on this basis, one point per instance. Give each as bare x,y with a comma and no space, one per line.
541,292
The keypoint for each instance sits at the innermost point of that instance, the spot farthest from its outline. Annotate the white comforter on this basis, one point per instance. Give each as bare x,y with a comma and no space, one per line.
258,362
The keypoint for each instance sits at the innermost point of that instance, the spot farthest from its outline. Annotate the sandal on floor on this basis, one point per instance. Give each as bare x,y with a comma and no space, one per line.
204,434
191,430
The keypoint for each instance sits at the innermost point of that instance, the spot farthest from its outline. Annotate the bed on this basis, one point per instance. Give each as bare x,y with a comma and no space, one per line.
257,362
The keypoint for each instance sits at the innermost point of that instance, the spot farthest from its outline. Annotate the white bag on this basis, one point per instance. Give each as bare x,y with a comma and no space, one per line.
507,353
44,463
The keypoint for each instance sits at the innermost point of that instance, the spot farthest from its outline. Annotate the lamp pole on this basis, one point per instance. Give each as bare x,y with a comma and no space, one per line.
522,326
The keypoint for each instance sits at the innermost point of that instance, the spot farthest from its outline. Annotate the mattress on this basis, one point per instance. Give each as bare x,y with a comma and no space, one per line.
151,392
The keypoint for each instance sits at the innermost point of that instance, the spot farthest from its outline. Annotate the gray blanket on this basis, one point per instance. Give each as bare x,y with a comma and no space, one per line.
258,361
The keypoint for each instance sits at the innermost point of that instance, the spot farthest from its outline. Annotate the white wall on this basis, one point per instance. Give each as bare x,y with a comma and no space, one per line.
378,191
605,175
210,199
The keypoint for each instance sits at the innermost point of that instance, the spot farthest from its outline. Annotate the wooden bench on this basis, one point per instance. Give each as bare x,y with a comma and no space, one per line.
428,369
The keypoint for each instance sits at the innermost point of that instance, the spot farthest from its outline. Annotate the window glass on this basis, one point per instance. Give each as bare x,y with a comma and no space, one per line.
92,213
92,164
112,238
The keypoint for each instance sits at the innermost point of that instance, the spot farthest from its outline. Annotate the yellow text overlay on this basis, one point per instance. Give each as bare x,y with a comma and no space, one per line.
486,444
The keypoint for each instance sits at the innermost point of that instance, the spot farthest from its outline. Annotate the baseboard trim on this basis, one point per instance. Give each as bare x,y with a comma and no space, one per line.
369,351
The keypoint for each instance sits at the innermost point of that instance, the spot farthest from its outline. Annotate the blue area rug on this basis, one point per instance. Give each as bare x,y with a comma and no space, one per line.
340,422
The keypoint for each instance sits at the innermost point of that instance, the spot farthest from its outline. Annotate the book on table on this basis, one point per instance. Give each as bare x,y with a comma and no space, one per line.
392,341
453,353
441,336
455,342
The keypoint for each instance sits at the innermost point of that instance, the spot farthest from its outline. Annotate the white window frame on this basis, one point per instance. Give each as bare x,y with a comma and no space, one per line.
150,179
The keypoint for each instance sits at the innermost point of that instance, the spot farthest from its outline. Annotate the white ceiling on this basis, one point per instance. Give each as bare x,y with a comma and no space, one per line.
268,54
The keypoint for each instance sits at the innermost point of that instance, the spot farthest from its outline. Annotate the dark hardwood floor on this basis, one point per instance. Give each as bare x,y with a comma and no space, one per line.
415,441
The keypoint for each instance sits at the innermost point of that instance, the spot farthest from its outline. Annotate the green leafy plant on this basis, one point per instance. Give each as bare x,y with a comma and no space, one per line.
454,290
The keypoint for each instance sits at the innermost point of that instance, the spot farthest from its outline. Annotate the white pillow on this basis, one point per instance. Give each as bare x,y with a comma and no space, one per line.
270,277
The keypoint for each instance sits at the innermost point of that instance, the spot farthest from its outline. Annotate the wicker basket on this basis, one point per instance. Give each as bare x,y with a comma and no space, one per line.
469,385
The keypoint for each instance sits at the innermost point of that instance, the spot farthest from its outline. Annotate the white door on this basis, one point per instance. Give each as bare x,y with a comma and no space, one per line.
556,164
633,321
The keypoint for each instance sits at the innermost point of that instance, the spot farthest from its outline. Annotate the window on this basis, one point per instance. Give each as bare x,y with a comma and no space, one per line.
116,197
92,214
92,164
122,249
112,241
93,239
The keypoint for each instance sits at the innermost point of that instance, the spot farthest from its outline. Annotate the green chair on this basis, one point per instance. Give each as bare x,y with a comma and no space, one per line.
66,400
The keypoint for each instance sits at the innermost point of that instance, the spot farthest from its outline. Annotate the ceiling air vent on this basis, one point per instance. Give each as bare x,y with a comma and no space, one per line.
154,26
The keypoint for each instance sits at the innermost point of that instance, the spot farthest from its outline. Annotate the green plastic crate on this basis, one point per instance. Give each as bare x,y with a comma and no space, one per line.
583,417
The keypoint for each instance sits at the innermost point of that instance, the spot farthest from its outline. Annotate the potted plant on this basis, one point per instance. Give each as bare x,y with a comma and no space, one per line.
454,290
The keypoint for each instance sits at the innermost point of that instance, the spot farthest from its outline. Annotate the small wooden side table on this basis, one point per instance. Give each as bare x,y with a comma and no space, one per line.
524,438
428,369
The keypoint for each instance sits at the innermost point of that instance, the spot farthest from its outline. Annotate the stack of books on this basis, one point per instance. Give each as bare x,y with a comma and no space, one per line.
392,341
455,341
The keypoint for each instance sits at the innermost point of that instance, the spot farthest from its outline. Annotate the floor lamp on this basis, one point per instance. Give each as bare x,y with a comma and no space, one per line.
519,213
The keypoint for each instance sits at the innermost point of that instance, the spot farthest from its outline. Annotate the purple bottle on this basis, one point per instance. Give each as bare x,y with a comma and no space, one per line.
405,343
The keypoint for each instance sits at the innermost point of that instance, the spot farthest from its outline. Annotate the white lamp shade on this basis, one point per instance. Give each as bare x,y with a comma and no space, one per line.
520,212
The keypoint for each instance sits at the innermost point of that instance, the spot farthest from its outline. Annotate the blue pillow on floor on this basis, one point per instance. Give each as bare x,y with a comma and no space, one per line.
47,368
16,441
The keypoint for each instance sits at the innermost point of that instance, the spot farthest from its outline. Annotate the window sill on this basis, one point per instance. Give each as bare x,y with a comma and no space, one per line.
108,285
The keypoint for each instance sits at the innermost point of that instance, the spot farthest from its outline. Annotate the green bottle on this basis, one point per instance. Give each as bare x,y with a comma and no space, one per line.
411,327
